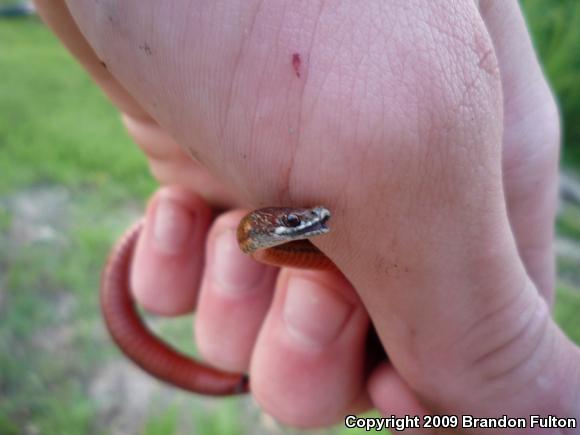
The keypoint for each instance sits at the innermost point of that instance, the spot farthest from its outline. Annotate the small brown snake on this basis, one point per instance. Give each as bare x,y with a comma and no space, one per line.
276,236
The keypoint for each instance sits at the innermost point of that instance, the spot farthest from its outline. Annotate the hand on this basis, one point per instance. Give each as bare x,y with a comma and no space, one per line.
391,115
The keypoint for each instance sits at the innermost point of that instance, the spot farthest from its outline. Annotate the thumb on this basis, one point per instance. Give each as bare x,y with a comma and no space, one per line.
430,250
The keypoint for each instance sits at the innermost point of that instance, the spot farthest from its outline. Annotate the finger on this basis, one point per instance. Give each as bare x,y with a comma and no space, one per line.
531,138
169,256
391,395
308,364
170,164
236,293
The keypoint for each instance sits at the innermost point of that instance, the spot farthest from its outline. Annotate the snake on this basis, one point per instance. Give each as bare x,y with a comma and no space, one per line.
278,236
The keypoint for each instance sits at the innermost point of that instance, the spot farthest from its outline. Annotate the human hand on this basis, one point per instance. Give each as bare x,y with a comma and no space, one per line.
403,114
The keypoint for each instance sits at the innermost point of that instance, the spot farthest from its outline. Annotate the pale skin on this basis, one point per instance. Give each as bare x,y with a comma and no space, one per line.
429,131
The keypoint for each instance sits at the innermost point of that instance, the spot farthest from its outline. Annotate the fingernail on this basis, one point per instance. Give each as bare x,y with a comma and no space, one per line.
314,314
233,270
172,226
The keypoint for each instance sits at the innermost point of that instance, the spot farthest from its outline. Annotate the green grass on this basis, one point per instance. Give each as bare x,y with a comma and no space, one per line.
566,311
555,26
56,129
568,223
56,126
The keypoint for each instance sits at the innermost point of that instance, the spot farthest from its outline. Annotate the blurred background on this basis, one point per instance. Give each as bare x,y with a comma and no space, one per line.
71,181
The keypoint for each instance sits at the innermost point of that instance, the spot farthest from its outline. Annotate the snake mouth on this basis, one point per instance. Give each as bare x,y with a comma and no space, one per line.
318,225
313,229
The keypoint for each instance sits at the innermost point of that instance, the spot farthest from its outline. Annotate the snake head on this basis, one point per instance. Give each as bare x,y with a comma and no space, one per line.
272,226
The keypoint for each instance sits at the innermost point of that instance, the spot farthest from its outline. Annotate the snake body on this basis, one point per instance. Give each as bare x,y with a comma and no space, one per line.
276,236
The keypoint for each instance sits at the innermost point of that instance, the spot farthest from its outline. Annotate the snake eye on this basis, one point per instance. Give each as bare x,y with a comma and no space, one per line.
292,220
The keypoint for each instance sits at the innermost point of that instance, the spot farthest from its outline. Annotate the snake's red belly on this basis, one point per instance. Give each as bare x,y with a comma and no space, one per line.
141,346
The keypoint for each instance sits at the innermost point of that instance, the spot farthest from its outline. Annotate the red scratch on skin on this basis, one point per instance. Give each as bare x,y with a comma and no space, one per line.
296,62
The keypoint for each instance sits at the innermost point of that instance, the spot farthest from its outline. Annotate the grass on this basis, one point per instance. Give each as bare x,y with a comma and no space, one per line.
69,125
568,223
555,27
56,130
566,311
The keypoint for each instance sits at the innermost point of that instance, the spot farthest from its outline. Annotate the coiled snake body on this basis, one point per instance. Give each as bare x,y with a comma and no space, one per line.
276,236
